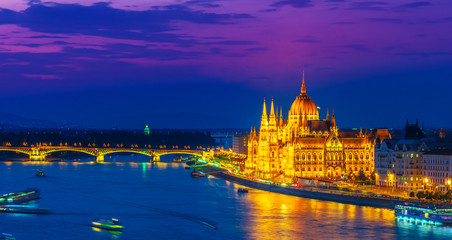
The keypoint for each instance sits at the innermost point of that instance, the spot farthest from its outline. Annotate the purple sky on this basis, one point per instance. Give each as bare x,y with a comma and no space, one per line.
207,63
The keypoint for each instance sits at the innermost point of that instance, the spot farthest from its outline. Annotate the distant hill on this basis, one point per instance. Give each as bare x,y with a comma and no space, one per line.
13,122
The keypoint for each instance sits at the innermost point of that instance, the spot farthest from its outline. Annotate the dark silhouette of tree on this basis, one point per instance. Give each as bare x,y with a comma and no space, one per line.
420,195
362,176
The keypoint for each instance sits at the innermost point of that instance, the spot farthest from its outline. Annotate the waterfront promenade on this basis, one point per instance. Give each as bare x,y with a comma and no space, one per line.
348,197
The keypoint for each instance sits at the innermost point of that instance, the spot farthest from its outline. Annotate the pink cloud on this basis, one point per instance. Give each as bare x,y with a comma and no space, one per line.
41,76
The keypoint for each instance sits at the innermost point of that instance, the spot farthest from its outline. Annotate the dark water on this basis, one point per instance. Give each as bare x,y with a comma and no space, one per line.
161,201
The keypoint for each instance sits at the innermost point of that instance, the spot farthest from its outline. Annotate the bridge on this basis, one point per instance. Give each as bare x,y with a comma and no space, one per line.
40,153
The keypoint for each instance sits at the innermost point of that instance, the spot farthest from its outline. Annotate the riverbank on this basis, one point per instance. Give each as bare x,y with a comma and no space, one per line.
308,192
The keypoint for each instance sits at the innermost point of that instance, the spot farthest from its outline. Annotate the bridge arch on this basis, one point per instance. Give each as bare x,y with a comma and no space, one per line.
107,152
25,151
92,153
199,154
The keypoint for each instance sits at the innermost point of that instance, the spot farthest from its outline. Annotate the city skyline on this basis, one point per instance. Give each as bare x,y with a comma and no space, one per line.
210,64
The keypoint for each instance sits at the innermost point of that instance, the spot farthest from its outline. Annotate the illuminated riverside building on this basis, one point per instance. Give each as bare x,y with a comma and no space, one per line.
398,163
437,170
414,162
306,146
240,143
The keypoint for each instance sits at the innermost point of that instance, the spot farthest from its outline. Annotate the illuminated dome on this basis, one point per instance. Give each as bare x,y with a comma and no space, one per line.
303,104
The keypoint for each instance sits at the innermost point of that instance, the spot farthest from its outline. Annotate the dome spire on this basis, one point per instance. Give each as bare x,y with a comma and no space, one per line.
303,87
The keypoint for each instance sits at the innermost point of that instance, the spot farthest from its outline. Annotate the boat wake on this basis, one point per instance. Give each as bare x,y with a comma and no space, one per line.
139,206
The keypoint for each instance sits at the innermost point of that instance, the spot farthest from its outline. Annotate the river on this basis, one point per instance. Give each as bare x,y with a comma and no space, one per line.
162,201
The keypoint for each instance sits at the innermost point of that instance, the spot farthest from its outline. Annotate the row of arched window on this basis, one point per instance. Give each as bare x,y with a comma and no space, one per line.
330,156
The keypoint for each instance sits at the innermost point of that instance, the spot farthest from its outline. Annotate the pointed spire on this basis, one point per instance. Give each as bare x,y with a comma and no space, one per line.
272,110
281,121
327,114
272,122
333,119
264,110
303,87
264,119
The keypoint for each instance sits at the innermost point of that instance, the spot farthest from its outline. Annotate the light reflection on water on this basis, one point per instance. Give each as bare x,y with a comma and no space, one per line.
161,201
276,216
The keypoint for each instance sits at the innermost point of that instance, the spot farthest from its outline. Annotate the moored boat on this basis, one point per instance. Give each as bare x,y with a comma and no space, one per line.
432,214
23,209
110,225
40,173
6,236
190,162
178,159
196,174
19,197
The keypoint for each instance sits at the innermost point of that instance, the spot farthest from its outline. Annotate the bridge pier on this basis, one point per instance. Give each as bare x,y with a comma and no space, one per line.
156,158
100,159
40,157
207,155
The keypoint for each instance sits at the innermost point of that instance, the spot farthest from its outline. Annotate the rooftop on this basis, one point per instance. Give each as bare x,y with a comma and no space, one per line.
439,152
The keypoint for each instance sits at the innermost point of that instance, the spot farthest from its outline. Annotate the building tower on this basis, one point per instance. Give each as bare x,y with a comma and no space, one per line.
146,130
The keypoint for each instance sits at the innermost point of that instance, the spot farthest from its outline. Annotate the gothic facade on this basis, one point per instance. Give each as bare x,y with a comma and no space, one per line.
306,146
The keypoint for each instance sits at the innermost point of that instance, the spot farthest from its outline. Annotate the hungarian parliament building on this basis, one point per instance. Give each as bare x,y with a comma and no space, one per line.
303,145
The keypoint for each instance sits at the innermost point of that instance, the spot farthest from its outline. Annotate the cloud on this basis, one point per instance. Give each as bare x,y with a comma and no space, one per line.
386,20
343,23
415,5
424,54
44,36
368,5
269,10
204,3
256,49
357,47
230,42
293,3
307,39
101,19
41,76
